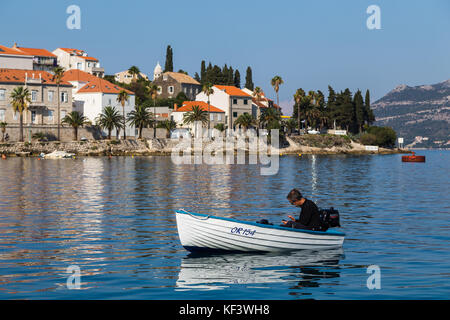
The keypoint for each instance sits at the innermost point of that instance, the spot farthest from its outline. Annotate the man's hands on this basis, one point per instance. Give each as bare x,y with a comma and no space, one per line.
285,221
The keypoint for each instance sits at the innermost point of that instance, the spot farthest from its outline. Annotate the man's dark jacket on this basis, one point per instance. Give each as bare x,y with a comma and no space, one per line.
309,216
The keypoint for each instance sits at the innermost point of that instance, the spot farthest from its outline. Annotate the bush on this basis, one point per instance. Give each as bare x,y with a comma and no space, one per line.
379,136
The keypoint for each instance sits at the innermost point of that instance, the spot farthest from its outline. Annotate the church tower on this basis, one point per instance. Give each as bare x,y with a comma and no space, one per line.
157,72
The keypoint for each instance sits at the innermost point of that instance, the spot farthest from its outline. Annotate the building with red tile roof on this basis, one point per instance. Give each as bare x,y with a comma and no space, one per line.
69,59
216,115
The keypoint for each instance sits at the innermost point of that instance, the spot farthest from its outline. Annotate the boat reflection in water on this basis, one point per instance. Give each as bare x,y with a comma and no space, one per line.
305,268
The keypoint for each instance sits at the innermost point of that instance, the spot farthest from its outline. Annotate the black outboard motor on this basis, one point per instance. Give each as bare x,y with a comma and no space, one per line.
329,218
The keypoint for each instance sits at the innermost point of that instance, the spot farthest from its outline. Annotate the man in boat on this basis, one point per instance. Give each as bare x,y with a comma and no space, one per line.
309,216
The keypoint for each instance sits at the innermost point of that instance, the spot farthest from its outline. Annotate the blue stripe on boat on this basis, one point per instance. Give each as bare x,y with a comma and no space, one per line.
329,232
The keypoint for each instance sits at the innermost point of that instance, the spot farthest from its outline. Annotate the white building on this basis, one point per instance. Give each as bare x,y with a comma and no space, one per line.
78,59
92,94
216,115
14,59
126,77
232,100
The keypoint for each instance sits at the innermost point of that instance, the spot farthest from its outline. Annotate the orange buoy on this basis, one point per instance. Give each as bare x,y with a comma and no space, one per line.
413,158
3,156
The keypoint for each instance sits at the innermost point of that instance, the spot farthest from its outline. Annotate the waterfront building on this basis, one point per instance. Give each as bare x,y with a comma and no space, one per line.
232,100
27,58
43,93
216,114
170,84
126,77
78,59
92,94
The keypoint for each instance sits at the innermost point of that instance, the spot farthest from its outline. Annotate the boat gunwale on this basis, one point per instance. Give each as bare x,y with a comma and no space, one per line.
330,232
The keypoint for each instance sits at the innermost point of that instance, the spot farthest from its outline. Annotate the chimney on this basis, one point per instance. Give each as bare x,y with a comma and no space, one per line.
15,45
175,107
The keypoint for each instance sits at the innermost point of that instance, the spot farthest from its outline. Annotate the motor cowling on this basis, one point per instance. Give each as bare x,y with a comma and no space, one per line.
329,218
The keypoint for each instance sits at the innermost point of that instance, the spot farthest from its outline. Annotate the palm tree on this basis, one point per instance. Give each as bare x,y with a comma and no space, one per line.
140,117
208,90
123,97
290,125
3,127
109,119
169,125
197,114
271,118
20,98
276,82
257,95
134,71
298,96
58,74
245,120
75,120
153,91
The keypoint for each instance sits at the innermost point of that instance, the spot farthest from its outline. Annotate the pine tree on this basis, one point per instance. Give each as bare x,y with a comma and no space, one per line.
237,79
169,59
248,79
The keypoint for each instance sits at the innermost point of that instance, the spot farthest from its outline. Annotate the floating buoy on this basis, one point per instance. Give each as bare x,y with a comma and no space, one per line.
3,156
299,154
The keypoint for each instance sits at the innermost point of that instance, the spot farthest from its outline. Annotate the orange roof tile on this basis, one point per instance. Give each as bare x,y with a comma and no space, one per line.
78,53
6,50
88,58
36,52
101,85
18,76
77,75
232,91
187,106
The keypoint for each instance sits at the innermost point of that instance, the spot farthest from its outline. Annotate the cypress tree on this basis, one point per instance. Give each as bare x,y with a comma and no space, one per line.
358,111
169,59
197,77
203,72
237,79
230,77
248,79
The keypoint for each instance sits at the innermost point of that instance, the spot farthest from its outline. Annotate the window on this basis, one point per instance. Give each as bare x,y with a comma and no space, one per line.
34,95
33,117
64,97
234,114
165,77
219,117
50,96
211,116
245,101
2,114
234,101
50,115
63,114
2,94
79,66
170,89
89,64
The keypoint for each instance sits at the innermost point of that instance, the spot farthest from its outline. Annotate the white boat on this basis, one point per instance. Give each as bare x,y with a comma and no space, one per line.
201,232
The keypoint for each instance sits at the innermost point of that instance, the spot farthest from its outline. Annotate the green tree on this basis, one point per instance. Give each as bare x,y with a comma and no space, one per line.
58,74
245,121
123,97
249,79
169,59
20,98
298,96
75,120
358,111
169,125
134,72
290,124
203,72
140,118
109,119
237,79
196,115
276,82
270,118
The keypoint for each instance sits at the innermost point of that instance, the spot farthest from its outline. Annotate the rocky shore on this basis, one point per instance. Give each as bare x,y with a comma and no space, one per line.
294,145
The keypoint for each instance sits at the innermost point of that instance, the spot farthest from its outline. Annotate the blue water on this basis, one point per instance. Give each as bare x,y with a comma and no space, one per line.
113,218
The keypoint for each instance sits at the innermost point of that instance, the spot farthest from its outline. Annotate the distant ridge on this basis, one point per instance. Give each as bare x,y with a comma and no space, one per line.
420,114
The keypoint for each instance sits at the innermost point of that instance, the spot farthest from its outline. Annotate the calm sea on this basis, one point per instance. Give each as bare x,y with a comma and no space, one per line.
114,220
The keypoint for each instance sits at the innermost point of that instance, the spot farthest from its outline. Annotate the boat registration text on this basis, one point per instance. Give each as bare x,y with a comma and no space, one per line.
243,231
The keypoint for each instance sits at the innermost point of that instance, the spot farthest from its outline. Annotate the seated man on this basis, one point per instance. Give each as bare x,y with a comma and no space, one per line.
309,216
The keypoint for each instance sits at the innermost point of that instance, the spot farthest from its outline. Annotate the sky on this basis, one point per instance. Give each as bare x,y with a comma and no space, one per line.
310,44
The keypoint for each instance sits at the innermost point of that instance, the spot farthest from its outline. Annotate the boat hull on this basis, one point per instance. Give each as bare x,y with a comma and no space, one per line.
413,158
204,233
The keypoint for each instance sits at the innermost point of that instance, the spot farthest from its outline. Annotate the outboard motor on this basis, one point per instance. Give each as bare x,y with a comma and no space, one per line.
329,218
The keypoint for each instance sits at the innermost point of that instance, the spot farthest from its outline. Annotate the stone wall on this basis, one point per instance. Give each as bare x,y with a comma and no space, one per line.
51,131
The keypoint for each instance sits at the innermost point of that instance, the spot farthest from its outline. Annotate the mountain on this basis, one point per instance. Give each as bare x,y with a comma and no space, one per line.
421,114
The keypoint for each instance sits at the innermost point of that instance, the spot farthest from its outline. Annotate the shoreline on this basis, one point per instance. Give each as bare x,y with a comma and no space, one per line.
164,147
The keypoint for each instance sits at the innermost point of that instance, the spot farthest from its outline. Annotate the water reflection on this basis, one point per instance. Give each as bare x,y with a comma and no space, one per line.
304,268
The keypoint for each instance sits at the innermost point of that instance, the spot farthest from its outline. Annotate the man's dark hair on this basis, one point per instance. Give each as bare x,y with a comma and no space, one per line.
294,195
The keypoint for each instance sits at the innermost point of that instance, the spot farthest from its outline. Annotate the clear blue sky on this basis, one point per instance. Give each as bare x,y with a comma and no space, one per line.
310,44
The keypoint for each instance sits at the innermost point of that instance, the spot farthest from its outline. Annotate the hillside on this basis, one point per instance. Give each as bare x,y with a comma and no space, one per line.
421,114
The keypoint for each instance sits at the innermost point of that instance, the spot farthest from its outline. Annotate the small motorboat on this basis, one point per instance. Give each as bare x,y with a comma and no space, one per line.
413,158
206,233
